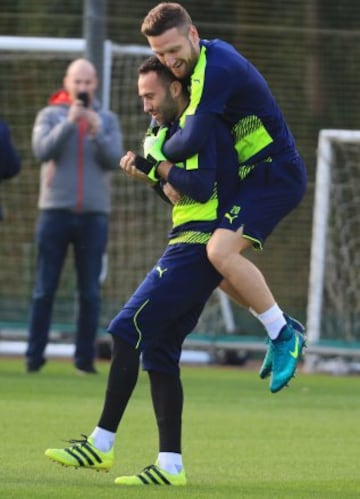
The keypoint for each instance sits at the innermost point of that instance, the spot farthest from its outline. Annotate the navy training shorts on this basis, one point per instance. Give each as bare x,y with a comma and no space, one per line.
166,306
270,192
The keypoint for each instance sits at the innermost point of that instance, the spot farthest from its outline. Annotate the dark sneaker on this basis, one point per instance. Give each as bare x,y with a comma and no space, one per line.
86,370
34,367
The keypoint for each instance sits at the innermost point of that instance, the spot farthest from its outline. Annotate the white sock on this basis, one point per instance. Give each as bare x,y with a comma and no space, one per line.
103,439
273,320
170,462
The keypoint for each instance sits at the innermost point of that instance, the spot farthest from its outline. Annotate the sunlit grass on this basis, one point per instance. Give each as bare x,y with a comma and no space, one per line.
238,439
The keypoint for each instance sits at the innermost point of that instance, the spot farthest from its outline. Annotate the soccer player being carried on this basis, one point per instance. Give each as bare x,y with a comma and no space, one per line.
273,176
166,306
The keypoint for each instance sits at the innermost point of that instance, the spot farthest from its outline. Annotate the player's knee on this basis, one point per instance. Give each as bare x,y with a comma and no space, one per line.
216,254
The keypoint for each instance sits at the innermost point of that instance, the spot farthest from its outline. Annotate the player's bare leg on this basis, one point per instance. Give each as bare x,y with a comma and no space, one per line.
242,278
245,282
229,289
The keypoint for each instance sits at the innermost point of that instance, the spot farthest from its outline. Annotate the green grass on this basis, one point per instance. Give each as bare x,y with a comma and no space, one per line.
239,441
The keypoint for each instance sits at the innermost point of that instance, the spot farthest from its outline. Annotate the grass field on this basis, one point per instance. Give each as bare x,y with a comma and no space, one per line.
239,440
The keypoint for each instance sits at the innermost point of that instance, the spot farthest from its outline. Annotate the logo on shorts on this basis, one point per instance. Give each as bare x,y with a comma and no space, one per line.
230,217
233,213
160,270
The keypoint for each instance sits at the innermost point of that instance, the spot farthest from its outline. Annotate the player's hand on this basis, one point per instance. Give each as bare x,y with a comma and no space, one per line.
154,151
127,163
149,139
154,154
147,166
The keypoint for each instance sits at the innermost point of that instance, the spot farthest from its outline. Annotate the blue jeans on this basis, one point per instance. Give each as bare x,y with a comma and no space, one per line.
55,231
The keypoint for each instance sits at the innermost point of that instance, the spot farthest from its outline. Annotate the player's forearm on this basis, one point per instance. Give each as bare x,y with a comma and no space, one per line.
197,184
191,139
163,169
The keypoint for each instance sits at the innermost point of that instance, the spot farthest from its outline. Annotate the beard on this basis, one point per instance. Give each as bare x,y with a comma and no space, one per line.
190,64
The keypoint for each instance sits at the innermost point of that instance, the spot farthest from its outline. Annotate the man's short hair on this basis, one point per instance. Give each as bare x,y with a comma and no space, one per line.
152,63
165,16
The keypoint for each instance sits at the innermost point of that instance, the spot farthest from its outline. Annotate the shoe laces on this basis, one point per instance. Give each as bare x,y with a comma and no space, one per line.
81,441
150,467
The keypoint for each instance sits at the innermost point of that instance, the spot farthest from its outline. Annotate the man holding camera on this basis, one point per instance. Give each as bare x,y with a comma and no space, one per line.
78,144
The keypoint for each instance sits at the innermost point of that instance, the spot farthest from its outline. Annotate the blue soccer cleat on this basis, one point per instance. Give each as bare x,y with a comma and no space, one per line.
286,352
266,367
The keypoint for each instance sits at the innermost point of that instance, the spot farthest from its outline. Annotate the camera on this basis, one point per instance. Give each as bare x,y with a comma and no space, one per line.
84,97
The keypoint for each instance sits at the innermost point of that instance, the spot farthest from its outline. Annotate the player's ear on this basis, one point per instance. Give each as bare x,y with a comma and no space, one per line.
194,35
175,89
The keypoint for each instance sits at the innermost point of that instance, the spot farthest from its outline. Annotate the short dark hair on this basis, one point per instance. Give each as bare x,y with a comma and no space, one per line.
164,16
152,63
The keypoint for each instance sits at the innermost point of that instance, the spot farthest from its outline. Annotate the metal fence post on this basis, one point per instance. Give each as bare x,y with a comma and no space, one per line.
94,31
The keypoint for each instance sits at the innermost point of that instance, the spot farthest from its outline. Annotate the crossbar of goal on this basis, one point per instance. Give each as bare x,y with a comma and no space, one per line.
76,46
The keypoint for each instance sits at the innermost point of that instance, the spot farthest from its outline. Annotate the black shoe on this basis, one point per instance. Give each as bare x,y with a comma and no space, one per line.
86,370
33,367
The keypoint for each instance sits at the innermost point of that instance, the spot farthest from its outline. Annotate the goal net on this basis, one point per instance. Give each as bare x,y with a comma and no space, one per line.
333,316
34,69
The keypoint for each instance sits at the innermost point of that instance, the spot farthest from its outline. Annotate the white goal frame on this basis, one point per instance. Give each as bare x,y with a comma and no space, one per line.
325,159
